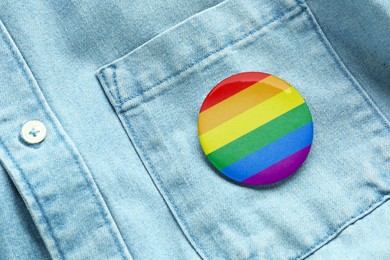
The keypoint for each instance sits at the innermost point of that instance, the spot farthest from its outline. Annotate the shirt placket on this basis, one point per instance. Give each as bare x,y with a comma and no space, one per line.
50,174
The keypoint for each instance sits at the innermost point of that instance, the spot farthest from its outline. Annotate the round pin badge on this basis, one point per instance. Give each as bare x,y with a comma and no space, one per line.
255,128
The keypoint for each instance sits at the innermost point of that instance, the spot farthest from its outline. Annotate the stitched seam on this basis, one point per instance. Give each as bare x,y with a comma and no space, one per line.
116,83
196,244
70,148
107,85
208,55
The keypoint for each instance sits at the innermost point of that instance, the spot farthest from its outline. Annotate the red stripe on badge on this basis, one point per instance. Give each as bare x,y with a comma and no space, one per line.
232,86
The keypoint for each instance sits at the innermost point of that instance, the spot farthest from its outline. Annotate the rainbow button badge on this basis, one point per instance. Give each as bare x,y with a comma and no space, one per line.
255,128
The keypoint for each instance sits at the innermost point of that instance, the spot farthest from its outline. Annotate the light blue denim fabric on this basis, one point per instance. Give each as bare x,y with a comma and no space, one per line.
121,174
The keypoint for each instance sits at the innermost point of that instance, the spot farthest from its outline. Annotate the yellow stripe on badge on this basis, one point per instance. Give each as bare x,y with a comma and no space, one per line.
250,120
234,105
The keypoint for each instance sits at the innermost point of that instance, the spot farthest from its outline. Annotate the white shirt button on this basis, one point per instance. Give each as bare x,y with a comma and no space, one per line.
33,132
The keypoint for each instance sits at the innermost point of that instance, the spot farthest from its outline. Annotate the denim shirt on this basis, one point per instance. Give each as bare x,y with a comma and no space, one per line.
121,174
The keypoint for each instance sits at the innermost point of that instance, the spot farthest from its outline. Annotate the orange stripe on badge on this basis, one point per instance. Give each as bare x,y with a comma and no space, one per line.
240,102
230,86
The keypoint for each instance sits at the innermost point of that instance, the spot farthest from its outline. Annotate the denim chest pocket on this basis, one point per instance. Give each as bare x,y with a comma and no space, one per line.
157,91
